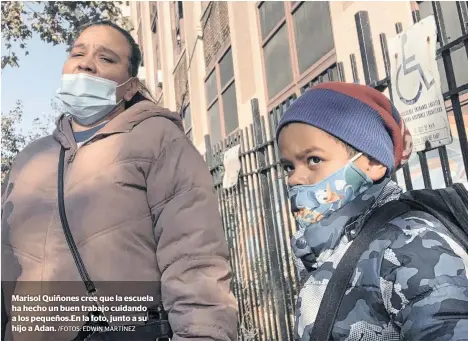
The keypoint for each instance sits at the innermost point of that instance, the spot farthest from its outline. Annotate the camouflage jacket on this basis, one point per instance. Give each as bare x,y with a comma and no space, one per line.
411,284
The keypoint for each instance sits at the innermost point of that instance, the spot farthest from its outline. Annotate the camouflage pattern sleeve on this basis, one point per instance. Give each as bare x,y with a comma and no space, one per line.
424,281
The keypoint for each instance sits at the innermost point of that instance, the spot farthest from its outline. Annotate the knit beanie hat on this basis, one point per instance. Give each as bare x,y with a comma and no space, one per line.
359,115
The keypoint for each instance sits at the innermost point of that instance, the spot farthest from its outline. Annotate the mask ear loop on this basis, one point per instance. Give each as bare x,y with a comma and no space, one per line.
128,80
355,157
119,85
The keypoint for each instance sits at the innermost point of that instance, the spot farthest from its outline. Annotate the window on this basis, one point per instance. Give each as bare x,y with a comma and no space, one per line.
177,9
271,13
187,121
231,120
221,98
278,62
226,68
180,10
313,33
215,123
297,36
211,87
275,46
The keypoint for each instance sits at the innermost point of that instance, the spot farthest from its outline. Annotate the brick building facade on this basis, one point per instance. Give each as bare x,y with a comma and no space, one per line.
208,59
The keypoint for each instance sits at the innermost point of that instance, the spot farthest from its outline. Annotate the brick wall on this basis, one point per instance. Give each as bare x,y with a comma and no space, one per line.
215,23
181,81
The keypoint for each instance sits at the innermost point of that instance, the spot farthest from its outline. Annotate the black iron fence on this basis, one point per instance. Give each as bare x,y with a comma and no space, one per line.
255,211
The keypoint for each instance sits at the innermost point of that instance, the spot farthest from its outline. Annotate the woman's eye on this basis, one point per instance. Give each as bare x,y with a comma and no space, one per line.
314,160
107,60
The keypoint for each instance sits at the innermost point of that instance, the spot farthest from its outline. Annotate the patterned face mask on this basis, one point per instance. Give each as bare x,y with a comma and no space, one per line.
312,203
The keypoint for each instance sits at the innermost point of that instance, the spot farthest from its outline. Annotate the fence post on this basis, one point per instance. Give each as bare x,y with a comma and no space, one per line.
208,151
352,58
276,272
341,73
452,84
462,8
366,47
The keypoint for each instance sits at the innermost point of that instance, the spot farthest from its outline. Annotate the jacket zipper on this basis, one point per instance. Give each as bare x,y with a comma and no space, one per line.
72,157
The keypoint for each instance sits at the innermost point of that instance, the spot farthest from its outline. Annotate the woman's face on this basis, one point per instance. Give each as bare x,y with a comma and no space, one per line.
102,51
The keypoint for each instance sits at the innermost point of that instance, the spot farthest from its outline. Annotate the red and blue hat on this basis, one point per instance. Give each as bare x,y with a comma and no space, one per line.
357,114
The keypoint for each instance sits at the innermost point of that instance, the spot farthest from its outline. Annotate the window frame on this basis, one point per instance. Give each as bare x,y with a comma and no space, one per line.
299,80
187,131
178,28
220,90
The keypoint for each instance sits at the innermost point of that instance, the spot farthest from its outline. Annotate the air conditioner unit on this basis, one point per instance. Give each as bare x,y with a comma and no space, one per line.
160,78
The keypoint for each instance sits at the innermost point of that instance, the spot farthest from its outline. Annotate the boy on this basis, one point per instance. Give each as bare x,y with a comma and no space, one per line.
340,143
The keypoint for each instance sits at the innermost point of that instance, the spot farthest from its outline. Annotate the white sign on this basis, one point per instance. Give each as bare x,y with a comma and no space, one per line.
232,167
415,82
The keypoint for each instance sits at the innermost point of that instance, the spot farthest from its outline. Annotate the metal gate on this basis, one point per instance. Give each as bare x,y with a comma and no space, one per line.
256,219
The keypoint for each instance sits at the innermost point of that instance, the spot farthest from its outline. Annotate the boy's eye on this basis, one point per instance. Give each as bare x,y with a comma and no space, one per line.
314,160
288,168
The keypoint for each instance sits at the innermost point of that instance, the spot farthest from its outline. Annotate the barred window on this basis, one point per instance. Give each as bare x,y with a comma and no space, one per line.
221,98
313,33
297,39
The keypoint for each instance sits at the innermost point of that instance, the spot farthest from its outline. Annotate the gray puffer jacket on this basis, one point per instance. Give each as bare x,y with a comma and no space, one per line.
411,284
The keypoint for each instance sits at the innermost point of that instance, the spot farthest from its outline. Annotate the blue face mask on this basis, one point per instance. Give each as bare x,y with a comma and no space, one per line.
312,203
88,99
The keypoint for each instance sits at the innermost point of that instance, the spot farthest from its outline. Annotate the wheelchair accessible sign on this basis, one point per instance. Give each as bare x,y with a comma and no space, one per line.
415,83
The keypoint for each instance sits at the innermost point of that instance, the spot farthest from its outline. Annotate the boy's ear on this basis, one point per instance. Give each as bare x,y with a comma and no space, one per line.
373,168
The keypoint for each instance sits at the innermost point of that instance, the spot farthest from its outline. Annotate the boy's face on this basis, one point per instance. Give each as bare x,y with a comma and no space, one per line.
309,155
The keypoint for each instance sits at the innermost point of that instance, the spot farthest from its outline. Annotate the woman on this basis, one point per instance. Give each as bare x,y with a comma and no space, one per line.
137,197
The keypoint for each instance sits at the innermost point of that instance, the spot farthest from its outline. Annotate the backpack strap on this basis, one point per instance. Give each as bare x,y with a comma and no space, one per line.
341,277
454,199
450,208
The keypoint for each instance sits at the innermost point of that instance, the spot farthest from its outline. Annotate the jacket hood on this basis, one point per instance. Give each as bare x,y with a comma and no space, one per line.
124,122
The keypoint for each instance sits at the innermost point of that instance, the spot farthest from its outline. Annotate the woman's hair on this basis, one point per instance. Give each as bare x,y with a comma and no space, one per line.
134,61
